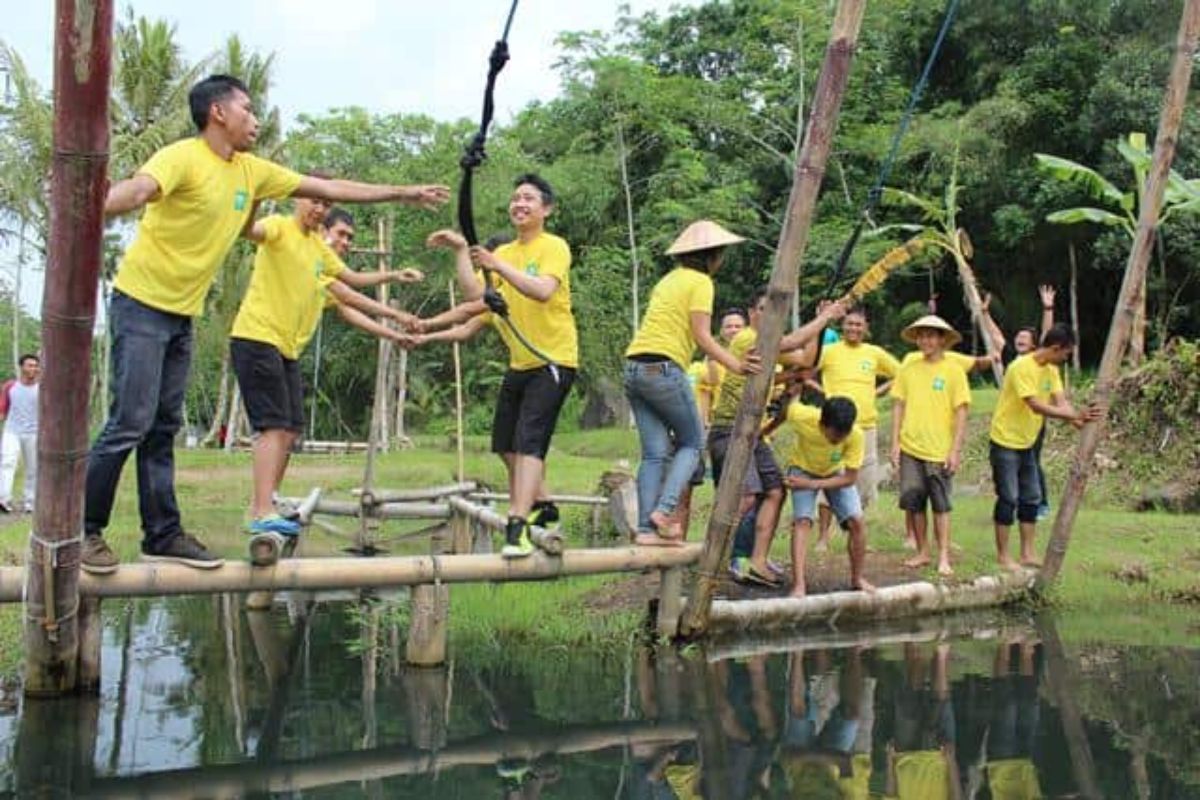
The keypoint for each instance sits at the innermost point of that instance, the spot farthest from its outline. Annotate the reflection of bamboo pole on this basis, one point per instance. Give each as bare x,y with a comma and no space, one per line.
458,402
118,728
1058,673
1132,287
793,239
237,780
233,668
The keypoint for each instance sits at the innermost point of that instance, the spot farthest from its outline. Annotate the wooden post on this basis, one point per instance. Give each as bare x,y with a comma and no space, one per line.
458,403
428,614
91,632
670,601
1132,287
806,186
82,64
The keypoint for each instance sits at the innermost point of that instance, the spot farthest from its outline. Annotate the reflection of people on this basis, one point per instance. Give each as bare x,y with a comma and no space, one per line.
1012,730
921,755
747,716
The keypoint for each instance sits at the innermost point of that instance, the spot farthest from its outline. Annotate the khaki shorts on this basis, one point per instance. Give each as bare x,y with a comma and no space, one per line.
922,482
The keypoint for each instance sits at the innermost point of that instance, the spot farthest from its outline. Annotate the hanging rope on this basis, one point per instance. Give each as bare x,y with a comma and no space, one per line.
876,193
473,157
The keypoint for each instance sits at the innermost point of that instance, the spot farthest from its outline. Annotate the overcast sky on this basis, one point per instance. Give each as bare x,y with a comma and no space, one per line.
384,55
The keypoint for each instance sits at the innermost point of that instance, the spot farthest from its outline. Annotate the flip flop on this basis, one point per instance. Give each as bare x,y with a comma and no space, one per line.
754,575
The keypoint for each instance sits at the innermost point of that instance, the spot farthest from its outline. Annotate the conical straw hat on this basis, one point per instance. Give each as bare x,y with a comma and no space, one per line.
702,235
953,337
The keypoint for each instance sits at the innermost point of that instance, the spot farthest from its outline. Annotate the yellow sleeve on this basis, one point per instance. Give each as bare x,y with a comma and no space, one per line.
899,386
795,413
331,264
962,389
1025,382
556,260
966,362
272,181
168,167
272,228
886,363
701,298
324,281
1056,384
742,343
854,449
821,362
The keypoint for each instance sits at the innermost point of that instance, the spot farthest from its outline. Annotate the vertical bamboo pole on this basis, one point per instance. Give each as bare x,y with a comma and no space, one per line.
1076,357
82,64
1132,287
377,437
458,402
806,185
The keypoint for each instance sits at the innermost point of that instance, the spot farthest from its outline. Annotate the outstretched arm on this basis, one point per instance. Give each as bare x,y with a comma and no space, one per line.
454,316
364,323
365,280
812,329
459,333
130,194
338,190
345,296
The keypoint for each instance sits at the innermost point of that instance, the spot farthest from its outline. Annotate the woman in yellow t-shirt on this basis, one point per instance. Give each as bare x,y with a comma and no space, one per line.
656,382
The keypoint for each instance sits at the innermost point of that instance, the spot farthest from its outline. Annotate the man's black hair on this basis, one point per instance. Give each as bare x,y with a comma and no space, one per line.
212,89
1032,331
741,312
26,357
497,240
337,215
699,259
1059,335
538,182
857,308
838,414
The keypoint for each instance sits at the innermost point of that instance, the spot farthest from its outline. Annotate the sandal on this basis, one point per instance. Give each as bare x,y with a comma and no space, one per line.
754,575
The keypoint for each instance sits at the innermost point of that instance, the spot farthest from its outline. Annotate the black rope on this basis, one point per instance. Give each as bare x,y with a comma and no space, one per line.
876,192
473,157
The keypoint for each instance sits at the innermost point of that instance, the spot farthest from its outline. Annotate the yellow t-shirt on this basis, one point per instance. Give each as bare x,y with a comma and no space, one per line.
1014,779
684,780
185,234
696,373
850,371
667,326
549,326
963,361
815,454
806,775
922,775
1014,424
732,384
286,295
931,394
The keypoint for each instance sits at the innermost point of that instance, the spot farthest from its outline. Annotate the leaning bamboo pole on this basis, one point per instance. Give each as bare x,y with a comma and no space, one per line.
458,403
806,185
82,65
1132,287
318,574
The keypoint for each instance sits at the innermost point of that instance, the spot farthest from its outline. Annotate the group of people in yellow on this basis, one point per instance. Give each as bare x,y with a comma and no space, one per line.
202,193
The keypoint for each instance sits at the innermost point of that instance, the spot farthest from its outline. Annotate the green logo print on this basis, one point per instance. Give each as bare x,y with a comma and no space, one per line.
531,268
835,457
866,366
939,385
239,200
318,268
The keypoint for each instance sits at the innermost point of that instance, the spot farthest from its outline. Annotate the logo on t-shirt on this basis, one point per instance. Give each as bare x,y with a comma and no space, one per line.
939,385
866,366
531,268
1046,385
239,200
318,268
835,457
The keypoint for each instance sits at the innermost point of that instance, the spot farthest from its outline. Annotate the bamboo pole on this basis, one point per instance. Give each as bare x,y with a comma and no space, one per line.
317,574
458,402
785,274
345,508
559,499
430,493
82,65
966,276
549,540
1133,285
1076,354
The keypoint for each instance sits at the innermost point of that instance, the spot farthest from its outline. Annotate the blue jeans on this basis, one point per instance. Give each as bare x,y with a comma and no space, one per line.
845,501
1015,473
664,409
151,355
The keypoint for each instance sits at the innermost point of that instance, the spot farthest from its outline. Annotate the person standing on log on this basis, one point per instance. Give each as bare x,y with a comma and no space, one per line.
532,274
1032,391
296,276
199,193
677,320
929,425
851,368
762,485
19,407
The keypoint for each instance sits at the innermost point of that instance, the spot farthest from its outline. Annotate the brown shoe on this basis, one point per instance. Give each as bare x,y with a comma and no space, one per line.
185,549
97,558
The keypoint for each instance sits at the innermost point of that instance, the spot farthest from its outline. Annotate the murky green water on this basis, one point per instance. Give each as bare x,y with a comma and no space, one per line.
201,699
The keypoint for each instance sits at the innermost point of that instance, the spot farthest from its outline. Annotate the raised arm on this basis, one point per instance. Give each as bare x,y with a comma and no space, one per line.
812,329
1047,294
464,270
130,194
989,325
337,190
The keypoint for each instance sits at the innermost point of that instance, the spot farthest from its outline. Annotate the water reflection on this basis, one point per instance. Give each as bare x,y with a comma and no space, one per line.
202,699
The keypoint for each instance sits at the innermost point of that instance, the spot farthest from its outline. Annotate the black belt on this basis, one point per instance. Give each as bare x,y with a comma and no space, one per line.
649,358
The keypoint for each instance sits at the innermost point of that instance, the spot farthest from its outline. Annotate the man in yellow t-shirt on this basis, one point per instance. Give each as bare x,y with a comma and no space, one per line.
826,455
296,276
532,275
929,423
199,194
1031,392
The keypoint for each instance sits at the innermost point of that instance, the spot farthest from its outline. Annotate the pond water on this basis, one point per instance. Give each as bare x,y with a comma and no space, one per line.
202,699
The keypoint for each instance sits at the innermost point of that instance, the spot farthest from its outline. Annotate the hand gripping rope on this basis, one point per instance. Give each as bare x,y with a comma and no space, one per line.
473,157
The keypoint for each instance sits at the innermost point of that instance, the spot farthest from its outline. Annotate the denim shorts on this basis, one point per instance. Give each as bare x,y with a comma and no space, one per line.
845,502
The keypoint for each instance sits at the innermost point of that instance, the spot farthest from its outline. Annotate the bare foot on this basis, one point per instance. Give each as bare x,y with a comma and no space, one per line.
654,540
1009,564
910,543
862,585
944,569
667,526
918,561
798,591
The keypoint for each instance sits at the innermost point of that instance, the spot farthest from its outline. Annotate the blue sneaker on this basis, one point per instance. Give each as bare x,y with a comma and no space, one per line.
273,523
1043,511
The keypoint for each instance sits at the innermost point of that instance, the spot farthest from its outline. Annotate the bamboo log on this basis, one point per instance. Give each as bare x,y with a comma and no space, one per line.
287,777
558,499
319,574
412,495
1132,287
346,508
785,274
670,601
551,541
889,602
82,66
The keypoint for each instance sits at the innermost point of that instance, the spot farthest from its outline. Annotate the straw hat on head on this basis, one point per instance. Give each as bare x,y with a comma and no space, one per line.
702,235
935,322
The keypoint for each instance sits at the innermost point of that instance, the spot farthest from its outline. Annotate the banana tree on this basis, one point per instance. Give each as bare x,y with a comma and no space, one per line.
939,229
1182,196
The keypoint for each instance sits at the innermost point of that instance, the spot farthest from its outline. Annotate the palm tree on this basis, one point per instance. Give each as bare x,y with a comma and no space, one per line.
1181,196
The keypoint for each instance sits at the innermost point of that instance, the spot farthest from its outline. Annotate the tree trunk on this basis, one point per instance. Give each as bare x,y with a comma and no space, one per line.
220,413
234,419
1132,287
623,157
1076,358
971,289
1137,338
78,183
793,239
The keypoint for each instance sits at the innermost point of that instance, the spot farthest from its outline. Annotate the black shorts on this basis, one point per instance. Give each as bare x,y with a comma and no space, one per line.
762,474
270,384
527,409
